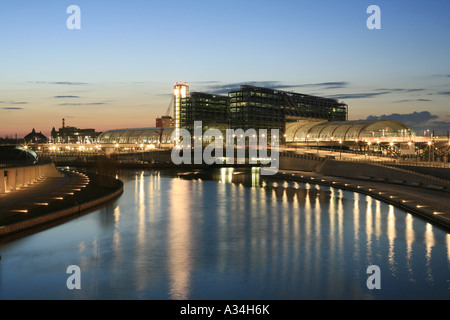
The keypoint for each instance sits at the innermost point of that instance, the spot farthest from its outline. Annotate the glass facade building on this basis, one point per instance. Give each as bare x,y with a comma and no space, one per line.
210,109
346,130
263,108
249,107
137,136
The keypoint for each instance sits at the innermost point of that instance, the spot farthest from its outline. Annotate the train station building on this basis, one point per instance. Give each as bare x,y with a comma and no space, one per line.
298,117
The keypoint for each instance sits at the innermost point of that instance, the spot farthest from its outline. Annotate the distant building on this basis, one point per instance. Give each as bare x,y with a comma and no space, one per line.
9,141
35,137
357,130
73,135
210,109
180,91
264,108
251,107
164,122
137,136
246,108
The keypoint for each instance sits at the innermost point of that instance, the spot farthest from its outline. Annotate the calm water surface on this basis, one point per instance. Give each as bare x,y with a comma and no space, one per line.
231,235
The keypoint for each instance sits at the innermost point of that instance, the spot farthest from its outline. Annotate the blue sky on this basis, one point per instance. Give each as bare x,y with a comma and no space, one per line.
118,70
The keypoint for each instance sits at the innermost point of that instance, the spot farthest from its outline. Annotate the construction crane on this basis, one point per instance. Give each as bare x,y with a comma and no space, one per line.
169,108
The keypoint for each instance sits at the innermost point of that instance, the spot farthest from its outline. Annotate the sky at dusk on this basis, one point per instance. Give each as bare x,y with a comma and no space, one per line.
118,70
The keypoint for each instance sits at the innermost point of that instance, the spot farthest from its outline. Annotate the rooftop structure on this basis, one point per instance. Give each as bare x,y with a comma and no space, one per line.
73,134
136,136
164,122
346,130
35,137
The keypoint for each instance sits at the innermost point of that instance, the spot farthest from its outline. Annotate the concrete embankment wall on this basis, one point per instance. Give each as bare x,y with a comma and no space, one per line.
376,172
437,172
151,156
18,177
302,163
361,170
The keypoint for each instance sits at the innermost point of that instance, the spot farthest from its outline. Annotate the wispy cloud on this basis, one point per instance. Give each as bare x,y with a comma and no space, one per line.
442,123
413,100
65,83
444,93
65,97
13,102
401,89
83,104
210,81
414,118
68,83
357,95
380,91
12,108
228,87
413,90
442,75
340,84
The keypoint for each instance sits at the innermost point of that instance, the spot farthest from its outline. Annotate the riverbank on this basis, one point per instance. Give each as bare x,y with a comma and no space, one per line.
430,204
53,201
70,198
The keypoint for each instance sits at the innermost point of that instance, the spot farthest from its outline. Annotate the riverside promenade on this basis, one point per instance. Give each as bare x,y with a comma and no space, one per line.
421,190
52,198
423,199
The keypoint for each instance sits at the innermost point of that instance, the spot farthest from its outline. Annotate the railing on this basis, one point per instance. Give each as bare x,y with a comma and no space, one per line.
390,161
385,162
305,156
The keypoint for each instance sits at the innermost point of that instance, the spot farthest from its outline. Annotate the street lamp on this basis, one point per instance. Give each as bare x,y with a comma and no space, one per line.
429,151
446,155
409,150
340,149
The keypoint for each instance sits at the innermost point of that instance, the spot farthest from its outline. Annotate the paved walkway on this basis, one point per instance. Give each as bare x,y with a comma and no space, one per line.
433,205
41,193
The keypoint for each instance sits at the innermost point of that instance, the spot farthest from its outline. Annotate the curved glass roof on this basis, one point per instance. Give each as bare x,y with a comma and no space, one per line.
346,130
140,135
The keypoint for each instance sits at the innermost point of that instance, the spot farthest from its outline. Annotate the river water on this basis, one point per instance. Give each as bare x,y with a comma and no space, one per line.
229,234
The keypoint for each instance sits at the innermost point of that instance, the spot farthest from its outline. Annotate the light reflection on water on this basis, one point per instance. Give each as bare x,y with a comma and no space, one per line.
231,235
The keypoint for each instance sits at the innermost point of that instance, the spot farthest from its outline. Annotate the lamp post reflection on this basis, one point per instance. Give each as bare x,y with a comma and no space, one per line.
179,240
